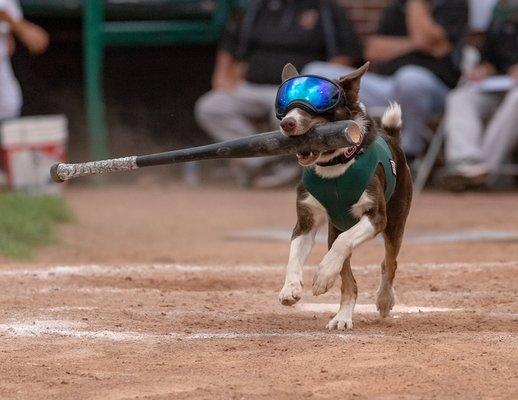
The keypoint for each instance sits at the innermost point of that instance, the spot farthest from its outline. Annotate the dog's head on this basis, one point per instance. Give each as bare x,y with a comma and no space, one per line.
300,120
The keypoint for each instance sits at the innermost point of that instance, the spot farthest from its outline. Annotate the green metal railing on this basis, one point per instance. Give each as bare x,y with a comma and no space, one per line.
119,23
99,33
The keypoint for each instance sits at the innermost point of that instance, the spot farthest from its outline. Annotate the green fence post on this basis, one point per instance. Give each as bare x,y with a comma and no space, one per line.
93,21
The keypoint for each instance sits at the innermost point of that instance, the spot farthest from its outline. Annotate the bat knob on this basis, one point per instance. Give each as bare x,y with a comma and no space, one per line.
54,173
354,133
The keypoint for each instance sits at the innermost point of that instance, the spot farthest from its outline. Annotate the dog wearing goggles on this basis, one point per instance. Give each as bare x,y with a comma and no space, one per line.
359,191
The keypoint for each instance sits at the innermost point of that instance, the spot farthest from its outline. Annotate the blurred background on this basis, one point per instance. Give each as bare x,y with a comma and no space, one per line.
89,80
163,282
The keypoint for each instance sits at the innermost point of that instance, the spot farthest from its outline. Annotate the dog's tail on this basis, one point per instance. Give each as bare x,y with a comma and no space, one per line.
391,122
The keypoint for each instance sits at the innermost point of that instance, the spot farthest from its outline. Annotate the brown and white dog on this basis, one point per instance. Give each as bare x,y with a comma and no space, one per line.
374,214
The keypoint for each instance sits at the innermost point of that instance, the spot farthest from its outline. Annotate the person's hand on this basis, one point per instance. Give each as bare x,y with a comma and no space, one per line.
224,83
439,50
513,71
343,61
227,79
32,36
481,72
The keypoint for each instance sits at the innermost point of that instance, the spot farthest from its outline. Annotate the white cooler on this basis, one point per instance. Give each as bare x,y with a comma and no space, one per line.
30,145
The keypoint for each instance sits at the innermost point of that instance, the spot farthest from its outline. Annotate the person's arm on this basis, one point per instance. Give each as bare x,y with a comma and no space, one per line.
4,17
35,38
379,48
427,34
481,72
513,72
390,40
32,36
342,60
228,72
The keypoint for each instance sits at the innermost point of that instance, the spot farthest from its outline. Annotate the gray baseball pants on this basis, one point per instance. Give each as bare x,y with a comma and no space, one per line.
467,139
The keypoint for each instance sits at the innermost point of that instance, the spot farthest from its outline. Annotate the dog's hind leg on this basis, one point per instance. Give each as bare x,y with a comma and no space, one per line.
397,212
385,295
344,317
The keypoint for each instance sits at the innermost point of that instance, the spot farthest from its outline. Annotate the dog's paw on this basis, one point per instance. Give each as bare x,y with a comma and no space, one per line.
324,279
290,293
385,300
327,272
340,322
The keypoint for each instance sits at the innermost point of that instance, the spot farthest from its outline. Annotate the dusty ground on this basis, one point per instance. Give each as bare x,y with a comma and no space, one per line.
145,296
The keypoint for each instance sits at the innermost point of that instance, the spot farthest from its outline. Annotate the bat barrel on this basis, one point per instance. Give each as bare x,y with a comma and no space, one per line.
324,137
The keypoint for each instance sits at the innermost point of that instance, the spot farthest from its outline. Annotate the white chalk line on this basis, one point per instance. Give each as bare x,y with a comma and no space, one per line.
95,290
371,308
300,307
71,329
413,237
126,270
68,308
66,328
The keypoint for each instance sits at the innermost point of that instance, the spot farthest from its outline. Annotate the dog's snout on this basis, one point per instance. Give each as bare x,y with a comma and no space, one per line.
288,125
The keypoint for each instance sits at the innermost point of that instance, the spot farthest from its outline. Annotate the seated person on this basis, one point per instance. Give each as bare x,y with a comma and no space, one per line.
252,54
32,36
474,153
414,49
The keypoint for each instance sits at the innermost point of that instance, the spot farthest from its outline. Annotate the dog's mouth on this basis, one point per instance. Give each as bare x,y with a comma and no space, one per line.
307,157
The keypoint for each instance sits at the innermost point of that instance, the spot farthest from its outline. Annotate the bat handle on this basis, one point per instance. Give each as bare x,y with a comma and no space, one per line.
63,172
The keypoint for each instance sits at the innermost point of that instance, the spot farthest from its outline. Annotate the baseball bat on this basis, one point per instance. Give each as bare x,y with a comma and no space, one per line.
329,136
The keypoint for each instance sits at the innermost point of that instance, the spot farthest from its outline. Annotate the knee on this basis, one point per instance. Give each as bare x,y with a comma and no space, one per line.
411,81
214,104
326,69
511,99
206,107
314,66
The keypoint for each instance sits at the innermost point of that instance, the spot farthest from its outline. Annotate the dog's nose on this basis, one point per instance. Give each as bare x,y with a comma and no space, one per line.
288,125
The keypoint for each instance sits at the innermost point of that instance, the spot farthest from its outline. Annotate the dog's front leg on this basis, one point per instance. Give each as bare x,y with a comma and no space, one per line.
344,317
342,248
310,216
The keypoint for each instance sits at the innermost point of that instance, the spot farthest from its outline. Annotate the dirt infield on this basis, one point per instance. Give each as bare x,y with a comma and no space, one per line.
148,296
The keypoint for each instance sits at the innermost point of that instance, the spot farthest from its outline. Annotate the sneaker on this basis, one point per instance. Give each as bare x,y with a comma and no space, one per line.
281,174
464,176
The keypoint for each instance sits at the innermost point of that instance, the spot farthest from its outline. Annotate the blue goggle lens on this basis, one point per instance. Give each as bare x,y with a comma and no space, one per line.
319,94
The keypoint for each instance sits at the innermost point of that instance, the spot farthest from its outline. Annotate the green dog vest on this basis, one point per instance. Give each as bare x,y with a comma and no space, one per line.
339,194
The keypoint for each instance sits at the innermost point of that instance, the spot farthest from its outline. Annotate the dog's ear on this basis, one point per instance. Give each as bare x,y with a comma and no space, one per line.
351,83
289,71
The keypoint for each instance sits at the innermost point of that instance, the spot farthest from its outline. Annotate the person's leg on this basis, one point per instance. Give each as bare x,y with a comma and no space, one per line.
227,115
466,108
420,94
326,69
502,132
376,90
466,161
279,170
